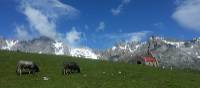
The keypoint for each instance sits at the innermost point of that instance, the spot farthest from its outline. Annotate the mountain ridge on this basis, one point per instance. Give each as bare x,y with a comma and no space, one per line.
169,53
44,45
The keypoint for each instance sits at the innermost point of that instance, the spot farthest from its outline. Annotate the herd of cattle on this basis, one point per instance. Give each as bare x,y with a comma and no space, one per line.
29,67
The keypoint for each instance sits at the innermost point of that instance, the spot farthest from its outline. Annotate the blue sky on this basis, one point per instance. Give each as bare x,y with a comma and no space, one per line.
99,23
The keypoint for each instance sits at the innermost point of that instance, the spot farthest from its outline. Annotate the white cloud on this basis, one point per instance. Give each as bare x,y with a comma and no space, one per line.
73,37
40,22
138,36
21,33
42,15
129,37
51,8
187,14
101,26
120,7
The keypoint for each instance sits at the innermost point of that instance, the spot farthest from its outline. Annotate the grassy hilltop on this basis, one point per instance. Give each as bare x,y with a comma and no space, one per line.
94,74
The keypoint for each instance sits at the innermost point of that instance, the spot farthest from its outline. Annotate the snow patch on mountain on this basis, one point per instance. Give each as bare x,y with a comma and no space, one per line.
137,46
83,52
9,44
177,44
196,53
192,46
45,45
131,47
123,47
197,39
114,47
59,48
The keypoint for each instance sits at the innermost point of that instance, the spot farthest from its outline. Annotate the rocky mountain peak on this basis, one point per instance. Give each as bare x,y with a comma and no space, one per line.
168,52
46,45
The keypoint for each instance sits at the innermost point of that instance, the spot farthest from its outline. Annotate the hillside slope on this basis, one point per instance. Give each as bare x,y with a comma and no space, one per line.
180,54
94,74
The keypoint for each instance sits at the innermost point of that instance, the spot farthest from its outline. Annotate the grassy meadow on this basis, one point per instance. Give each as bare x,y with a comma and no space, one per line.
94,74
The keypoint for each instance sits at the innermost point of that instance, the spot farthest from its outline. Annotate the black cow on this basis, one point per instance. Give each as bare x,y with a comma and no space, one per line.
70,67
26,67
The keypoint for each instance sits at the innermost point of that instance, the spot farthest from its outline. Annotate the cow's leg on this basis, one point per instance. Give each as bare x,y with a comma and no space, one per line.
70,71
67,71
64,71
33,72
20,72
17,71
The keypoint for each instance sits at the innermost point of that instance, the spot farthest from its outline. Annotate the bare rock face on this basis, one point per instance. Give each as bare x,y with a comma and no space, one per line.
178,54
45,45
169,53
39,45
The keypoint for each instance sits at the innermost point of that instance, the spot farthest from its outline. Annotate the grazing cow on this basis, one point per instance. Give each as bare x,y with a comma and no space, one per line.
26,67
70,67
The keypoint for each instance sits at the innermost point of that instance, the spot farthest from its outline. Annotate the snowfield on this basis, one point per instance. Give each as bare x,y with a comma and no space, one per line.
59,48
9,44
83,52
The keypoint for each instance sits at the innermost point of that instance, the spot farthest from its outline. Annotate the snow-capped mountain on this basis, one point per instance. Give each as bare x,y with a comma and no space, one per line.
176,53
83,52
59,48
121,50
45,45
168,52
9,44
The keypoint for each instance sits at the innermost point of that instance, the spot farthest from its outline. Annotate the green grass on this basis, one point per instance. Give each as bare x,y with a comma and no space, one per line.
94,74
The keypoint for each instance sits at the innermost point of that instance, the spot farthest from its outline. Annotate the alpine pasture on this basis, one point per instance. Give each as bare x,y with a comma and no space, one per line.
94,74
